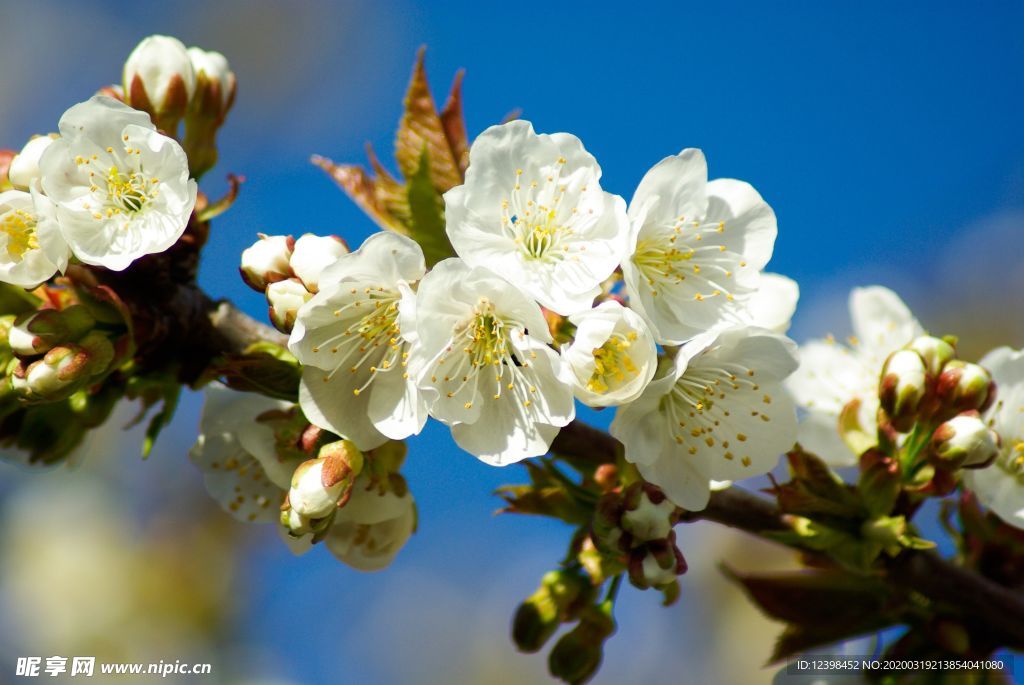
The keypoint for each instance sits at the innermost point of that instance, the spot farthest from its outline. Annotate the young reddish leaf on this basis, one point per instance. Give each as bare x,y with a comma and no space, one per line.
421,126
454,124
361,188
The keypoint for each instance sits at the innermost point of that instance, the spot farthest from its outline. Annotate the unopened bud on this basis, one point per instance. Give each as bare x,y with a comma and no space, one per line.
963,386
934,351
648,514
285,298
266,261
965,442
539,616
656,564
312,254
25,166
319,485
215,83
214,95
36,332
53,377
903,386
577,655
159,80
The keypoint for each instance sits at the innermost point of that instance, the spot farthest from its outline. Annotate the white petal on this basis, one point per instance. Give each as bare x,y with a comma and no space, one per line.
772,305
999,491
881,321
675,186
333,409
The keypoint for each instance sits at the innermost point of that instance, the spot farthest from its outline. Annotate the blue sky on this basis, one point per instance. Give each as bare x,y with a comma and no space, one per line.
878,131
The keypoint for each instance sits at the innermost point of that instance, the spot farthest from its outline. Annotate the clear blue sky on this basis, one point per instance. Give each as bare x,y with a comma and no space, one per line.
878,131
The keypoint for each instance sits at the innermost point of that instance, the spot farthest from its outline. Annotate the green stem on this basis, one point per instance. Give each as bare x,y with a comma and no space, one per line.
613,589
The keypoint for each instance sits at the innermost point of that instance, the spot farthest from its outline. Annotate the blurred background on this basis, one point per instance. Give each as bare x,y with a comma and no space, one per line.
889,138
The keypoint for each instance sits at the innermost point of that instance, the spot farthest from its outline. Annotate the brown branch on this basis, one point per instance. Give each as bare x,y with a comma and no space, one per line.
996,607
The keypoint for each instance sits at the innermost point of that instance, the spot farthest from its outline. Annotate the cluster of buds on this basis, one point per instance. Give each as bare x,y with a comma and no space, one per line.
171,82
319,487
288,271
925,386
56,352
565,596
635,527
925,383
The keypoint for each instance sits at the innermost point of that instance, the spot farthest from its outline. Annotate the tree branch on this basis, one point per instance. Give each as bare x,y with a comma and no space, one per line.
998,608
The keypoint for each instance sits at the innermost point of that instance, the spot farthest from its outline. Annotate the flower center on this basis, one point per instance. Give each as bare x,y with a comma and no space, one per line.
127,192
483,340
122,191
698,408
612,364
536,219
20,228
687,251
369,339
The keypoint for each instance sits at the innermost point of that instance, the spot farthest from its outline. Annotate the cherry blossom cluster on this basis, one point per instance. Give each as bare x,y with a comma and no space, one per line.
498,341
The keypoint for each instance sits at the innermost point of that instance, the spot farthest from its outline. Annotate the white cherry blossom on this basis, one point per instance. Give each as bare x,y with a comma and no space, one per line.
612,356
237,455
353,339
532,210
696,253
485,366
831,375
719,412
31,246
122,190
371,528
1000,487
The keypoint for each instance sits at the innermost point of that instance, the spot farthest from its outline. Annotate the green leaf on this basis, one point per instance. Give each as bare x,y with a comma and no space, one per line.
264,368
426,209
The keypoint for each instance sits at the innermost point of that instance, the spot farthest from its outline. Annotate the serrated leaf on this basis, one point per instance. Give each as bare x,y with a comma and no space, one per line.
454,124
426,209
421,127
362,189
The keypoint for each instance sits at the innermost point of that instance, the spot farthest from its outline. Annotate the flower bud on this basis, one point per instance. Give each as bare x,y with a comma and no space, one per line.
648,514
54,377
25,166
266,261
215,83
656,564
312,254
322,484
902,387
285,298
963,386
934,351
159,80
36,332
577,655
964,442
538,617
